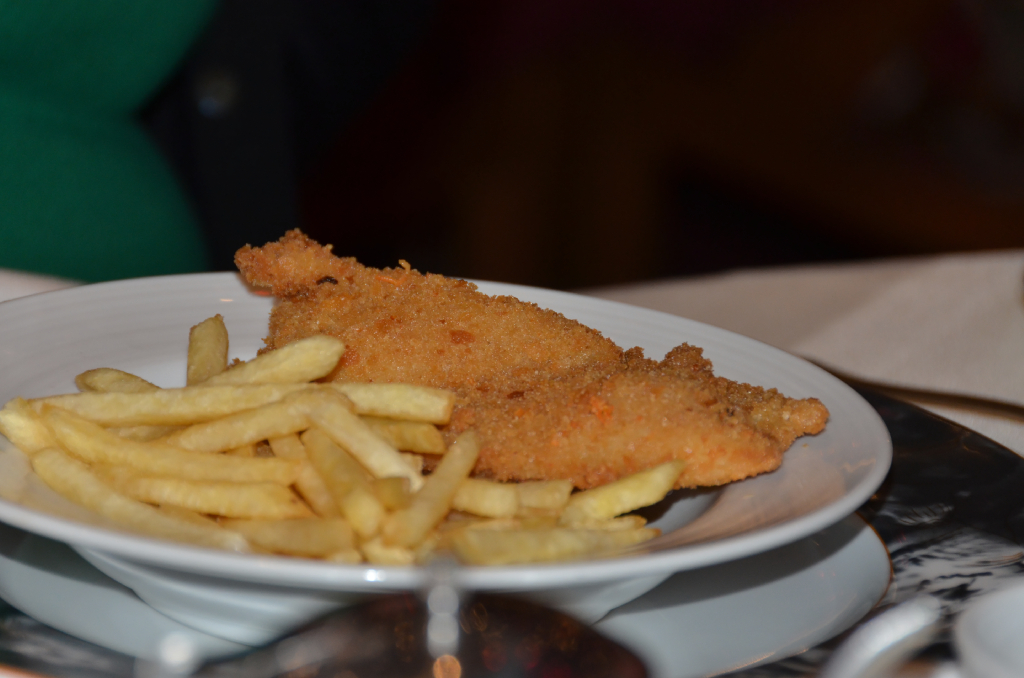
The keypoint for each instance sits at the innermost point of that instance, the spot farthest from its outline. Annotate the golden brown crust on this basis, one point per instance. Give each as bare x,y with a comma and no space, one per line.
401,325
594,428
550,397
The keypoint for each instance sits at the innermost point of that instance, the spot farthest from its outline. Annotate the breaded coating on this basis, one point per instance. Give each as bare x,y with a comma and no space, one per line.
549,397
399,325
595,428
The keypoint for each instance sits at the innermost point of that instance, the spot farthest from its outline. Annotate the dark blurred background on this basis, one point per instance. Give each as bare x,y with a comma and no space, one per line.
572,143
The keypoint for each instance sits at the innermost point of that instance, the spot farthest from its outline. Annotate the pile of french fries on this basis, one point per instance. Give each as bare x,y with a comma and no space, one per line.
258,457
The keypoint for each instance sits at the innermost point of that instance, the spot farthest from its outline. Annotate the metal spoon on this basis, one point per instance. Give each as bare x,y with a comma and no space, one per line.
887,641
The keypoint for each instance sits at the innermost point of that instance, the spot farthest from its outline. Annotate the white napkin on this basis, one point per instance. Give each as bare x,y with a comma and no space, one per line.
952,323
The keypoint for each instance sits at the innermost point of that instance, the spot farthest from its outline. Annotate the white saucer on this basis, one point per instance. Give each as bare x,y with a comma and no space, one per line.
756,610
705,621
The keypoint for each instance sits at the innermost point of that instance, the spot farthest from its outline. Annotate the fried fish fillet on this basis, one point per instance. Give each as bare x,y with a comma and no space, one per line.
549,397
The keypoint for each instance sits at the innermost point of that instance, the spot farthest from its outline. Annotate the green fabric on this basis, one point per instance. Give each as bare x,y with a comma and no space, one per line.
84,193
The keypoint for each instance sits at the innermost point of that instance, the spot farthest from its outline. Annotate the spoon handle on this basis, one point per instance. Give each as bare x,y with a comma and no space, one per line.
887,641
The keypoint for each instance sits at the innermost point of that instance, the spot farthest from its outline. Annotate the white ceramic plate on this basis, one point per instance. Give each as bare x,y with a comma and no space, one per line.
756,610
142,326
703,622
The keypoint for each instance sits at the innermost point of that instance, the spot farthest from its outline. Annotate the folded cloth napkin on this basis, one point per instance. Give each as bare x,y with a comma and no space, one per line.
952,323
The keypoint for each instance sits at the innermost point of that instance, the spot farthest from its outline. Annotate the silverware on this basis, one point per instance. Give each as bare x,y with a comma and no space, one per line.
887,641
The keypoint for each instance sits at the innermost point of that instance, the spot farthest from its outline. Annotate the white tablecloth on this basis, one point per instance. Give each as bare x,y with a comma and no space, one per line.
951,323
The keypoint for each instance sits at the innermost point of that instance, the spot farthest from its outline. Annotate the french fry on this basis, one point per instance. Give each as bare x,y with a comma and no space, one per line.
378,552
410,526
231,500
426,549
288,447
300,361
73,479
627,522
457,520
399,401
544,494
414,461
338,469
332,416
622,496
540,522
494,524
247,427
167,407
310,537
440,538
309,484
92,443
24,428
118,476
350,556
188,516
143,433
110,380
310,487
363,511
508,547
247,450
411,436
392,492
207,350
486,498
347,481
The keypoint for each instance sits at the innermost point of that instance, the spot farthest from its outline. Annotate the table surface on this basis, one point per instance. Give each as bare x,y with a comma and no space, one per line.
952,323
